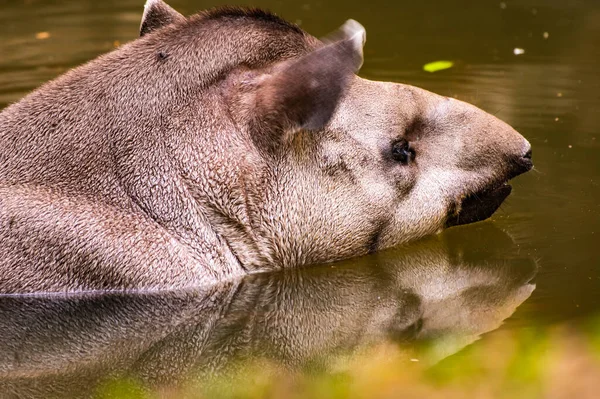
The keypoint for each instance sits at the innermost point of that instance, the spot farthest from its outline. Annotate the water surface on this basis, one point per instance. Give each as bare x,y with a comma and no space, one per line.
548,228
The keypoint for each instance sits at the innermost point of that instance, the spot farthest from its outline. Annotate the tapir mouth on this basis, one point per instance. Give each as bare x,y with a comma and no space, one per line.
482,204
479,205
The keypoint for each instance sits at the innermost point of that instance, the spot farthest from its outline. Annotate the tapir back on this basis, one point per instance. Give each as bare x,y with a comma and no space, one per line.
115,114
99,160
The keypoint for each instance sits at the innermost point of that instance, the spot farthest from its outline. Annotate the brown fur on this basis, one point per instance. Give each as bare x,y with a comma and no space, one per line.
226,143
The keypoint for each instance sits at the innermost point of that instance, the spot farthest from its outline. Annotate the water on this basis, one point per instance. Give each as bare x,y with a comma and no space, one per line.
447,290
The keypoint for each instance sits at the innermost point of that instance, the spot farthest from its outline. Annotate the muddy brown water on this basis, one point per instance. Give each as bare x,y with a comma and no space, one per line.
538,258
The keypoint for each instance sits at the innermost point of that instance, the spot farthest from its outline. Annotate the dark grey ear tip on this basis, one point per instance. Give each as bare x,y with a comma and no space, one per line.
151,3
157,14
149,7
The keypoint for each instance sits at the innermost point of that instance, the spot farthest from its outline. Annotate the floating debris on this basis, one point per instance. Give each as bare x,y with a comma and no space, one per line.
518,51
546,35
559,94
503,5
437,66
42,35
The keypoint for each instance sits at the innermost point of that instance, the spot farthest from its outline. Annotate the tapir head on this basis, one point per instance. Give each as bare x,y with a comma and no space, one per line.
334,165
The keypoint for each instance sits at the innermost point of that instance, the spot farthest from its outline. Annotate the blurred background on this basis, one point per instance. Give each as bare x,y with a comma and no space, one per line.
532,63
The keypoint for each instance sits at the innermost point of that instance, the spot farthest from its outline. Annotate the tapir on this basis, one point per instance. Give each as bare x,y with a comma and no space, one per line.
232,142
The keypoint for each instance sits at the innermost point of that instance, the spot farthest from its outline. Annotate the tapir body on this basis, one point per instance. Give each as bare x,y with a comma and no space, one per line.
231,142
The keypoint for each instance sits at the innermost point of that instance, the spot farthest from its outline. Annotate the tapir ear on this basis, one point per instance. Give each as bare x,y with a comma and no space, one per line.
157,14
304,93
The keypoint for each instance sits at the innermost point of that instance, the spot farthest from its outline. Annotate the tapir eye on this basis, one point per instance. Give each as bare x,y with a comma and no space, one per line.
401,152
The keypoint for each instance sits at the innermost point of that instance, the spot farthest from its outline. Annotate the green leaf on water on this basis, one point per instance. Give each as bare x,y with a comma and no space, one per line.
437,66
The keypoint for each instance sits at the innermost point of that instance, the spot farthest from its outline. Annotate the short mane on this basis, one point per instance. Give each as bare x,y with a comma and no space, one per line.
257,14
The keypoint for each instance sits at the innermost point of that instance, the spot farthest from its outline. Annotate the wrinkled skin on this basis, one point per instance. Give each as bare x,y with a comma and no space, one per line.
231,142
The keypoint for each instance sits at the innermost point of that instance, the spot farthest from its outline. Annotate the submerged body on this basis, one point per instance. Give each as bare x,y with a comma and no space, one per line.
427,301
232,142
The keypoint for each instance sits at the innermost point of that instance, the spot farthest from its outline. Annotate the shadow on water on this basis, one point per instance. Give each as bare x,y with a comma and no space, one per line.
442,291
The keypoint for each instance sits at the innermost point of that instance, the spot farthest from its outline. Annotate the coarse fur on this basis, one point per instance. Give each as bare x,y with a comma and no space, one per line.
226,143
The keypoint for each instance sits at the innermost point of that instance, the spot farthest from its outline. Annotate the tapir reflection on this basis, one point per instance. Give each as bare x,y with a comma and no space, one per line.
62,346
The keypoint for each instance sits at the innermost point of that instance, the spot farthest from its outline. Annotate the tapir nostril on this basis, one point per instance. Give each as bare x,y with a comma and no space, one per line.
520,164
